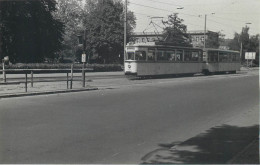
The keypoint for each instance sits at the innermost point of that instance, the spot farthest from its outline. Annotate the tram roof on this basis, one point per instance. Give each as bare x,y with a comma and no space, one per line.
220,50
160,44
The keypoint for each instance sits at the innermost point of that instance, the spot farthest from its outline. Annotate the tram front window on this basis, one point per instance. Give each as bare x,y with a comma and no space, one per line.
130,55
140,55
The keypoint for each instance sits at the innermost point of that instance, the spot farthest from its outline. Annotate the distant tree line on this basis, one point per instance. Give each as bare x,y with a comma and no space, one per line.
33,30
28,30
248,43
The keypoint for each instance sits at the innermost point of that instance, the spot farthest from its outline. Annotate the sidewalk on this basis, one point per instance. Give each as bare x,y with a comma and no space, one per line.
15,85
234,142
41,88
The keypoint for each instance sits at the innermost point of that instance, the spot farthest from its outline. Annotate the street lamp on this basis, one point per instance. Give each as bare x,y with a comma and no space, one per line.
125,31
205,29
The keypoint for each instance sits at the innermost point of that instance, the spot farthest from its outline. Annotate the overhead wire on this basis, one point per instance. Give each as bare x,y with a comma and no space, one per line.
193,15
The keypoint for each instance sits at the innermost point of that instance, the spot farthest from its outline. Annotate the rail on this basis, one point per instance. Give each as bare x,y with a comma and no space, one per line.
31,72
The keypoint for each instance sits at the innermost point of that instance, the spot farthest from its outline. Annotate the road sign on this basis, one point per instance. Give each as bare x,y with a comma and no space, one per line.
83,58
250,55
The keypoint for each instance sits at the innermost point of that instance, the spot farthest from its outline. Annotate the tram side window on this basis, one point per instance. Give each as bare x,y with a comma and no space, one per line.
187,55
151,55
223,57
179,55
170,55
161,55
230,57
237,57
195,56
213,56
130,56
233,57
140,55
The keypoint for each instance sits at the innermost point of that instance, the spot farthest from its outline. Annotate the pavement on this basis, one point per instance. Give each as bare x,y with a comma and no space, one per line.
248,155
238,134
50,84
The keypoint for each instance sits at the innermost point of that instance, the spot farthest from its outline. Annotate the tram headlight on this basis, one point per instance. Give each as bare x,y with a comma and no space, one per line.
129,66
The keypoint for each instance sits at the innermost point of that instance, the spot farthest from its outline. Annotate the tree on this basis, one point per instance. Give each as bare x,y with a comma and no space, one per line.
213,40
249,44
71,13
29,33
176,32
104,24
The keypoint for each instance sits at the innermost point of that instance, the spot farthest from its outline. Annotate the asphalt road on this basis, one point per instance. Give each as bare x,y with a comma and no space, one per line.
121,124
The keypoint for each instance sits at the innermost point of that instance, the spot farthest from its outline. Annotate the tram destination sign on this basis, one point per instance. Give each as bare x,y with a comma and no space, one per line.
250,55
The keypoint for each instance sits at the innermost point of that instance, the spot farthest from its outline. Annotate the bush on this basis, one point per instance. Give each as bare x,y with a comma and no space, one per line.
95,67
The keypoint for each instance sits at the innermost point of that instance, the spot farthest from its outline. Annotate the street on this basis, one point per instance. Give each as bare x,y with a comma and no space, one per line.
123,122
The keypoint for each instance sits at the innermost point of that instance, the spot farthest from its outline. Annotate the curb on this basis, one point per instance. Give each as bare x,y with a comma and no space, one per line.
46,93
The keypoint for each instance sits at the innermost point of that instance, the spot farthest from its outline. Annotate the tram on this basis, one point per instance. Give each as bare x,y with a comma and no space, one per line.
157,59
152,59
221,61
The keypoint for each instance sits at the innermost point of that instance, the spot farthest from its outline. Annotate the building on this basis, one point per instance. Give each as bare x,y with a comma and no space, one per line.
197,37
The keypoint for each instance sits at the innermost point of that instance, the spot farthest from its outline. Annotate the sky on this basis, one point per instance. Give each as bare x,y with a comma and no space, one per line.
225,16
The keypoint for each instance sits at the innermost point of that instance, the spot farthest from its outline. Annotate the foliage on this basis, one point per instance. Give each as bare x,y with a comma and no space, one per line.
176,32
95,67
71,13
249,44
213,40
29,33
104,24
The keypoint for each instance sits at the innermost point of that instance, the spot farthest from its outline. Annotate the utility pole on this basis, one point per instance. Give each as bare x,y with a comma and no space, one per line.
205,28
125,31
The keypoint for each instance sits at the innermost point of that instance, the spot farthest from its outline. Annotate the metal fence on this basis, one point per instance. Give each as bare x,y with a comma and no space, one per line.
29,75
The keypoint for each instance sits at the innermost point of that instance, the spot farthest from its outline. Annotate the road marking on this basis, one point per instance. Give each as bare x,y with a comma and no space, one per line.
115,154
141,143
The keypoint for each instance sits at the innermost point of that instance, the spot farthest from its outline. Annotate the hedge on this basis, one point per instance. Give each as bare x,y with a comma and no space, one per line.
94,67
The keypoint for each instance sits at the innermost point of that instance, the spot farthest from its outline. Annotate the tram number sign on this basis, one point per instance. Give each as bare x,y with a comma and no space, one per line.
83,58
250,55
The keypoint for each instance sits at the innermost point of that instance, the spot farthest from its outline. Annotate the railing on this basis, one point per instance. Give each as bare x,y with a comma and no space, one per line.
31,72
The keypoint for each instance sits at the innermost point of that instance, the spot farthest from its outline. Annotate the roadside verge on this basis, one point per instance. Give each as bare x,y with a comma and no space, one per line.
46,92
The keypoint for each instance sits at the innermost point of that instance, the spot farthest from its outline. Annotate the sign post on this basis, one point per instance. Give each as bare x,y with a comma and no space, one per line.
6,59
83,60
250,56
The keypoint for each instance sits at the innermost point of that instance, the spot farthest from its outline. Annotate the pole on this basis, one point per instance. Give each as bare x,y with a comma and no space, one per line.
25,82
31,78
83,75
71,78
241,50
67,80
4,73
125,31
205,28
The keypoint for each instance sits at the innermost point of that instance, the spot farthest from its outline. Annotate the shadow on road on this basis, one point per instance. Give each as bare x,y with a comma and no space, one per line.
218,145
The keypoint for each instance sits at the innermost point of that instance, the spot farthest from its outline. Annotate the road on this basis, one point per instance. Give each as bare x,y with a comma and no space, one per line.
122,123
